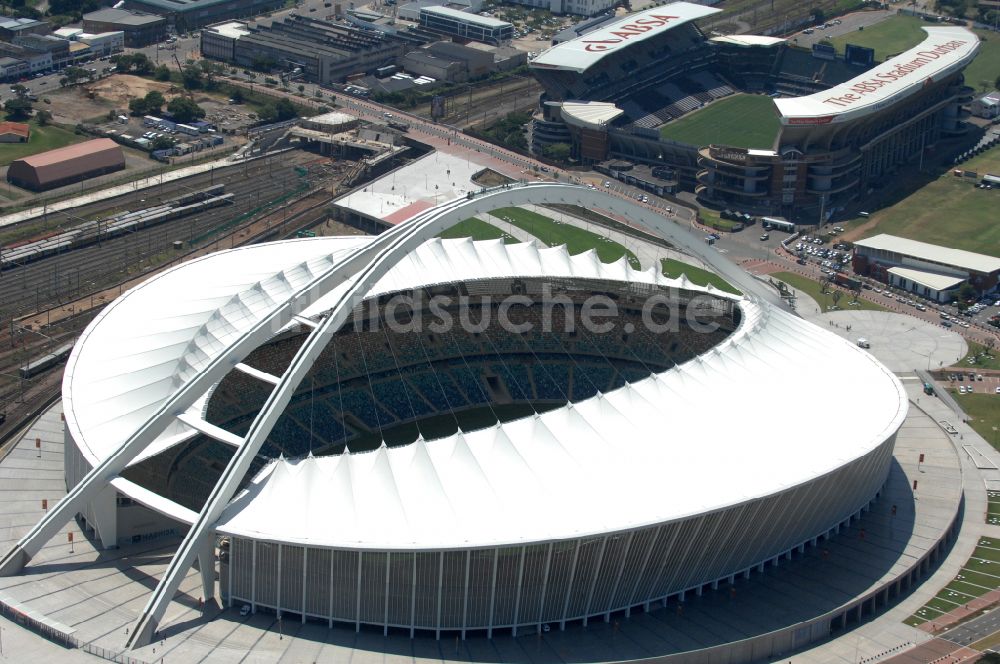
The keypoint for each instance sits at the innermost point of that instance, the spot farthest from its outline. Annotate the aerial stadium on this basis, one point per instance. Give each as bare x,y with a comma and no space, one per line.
333,450
746,121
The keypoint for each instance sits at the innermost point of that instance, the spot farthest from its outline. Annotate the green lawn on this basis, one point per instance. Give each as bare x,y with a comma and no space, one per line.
554,233
825,300
712,218
984,413
986,66
980,357
980,575
42,139
674,268
747,121
891,36
477,229
949,211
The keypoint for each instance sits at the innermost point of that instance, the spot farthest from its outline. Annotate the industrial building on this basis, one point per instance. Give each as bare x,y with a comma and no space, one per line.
191,14
930,270
320,51
62,166
140,29
456,23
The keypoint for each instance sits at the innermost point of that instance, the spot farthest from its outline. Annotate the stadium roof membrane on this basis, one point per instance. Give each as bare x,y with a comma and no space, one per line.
581,53
661,444
945,51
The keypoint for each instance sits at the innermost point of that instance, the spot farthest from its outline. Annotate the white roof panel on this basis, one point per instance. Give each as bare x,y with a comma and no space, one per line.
748,40
933,280
587,50
468,17
959,258
590,114
945,51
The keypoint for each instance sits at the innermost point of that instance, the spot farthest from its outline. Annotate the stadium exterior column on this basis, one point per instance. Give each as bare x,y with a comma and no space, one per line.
385,607
357,600
437,629
618,578
569,586
278,590
105,508
253,576
465,594
232,551
545,585
305,566
493,591
413,598
593,581
517,596
329,620
206,567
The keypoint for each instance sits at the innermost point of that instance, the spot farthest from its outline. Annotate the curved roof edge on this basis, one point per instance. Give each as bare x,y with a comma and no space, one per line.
945,51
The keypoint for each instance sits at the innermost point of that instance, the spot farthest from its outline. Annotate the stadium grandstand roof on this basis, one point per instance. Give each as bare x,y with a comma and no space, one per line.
747,40
581,53
530,479
945,51
590,114
959,258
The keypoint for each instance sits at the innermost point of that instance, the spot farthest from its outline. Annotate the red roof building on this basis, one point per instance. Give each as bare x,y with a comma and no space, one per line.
14,132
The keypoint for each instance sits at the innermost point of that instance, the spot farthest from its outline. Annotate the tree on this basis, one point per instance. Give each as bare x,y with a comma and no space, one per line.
236,94
192,77
835,296
154,101
74,74
137,106
185,110
161,73
19,90
557,151
162,143
43,117
967,292
18,108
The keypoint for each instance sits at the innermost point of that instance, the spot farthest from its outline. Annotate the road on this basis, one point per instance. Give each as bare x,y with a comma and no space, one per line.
974,630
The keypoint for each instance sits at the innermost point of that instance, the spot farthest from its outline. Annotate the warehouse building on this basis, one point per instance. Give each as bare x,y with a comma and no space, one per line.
192,14
930,270
140,29
55,168
18,27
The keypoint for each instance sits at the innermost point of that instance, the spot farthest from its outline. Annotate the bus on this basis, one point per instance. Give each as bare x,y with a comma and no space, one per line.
777,224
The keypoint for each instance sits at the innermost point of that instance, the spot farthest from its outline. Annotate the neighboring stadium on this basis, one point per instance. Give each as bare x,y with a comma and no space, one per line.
468,478
833,132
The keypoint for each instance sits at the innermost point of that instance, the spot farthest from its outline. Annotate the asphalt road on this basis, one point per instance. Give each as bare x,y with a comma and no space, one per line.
974,630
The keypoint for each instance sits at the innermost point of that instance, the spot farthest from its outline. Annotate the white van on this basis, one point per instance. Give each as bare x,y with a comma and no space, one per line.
863,343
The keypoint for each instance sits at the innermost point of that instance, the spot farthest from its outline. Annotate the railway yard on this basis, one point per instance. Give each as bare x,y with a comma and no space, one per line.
58,270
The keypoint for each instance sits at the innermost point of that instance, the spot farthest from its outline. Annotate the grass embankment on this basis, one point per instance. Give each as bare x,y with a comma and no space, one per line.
824,297
477,229
554,233
674,268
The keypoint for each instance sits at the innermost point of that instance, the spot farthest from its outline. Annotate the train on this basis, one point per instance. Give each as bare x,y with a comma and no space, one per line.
91,232
45,362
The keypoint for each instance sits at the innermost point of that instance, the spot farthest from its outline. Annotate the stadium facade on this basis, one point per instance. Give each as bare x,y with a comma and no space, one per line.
470,478
843,126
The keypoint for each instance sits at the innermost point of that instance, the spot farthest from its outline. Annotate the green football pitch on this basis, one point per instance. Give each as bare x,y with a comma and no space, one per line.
744,121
